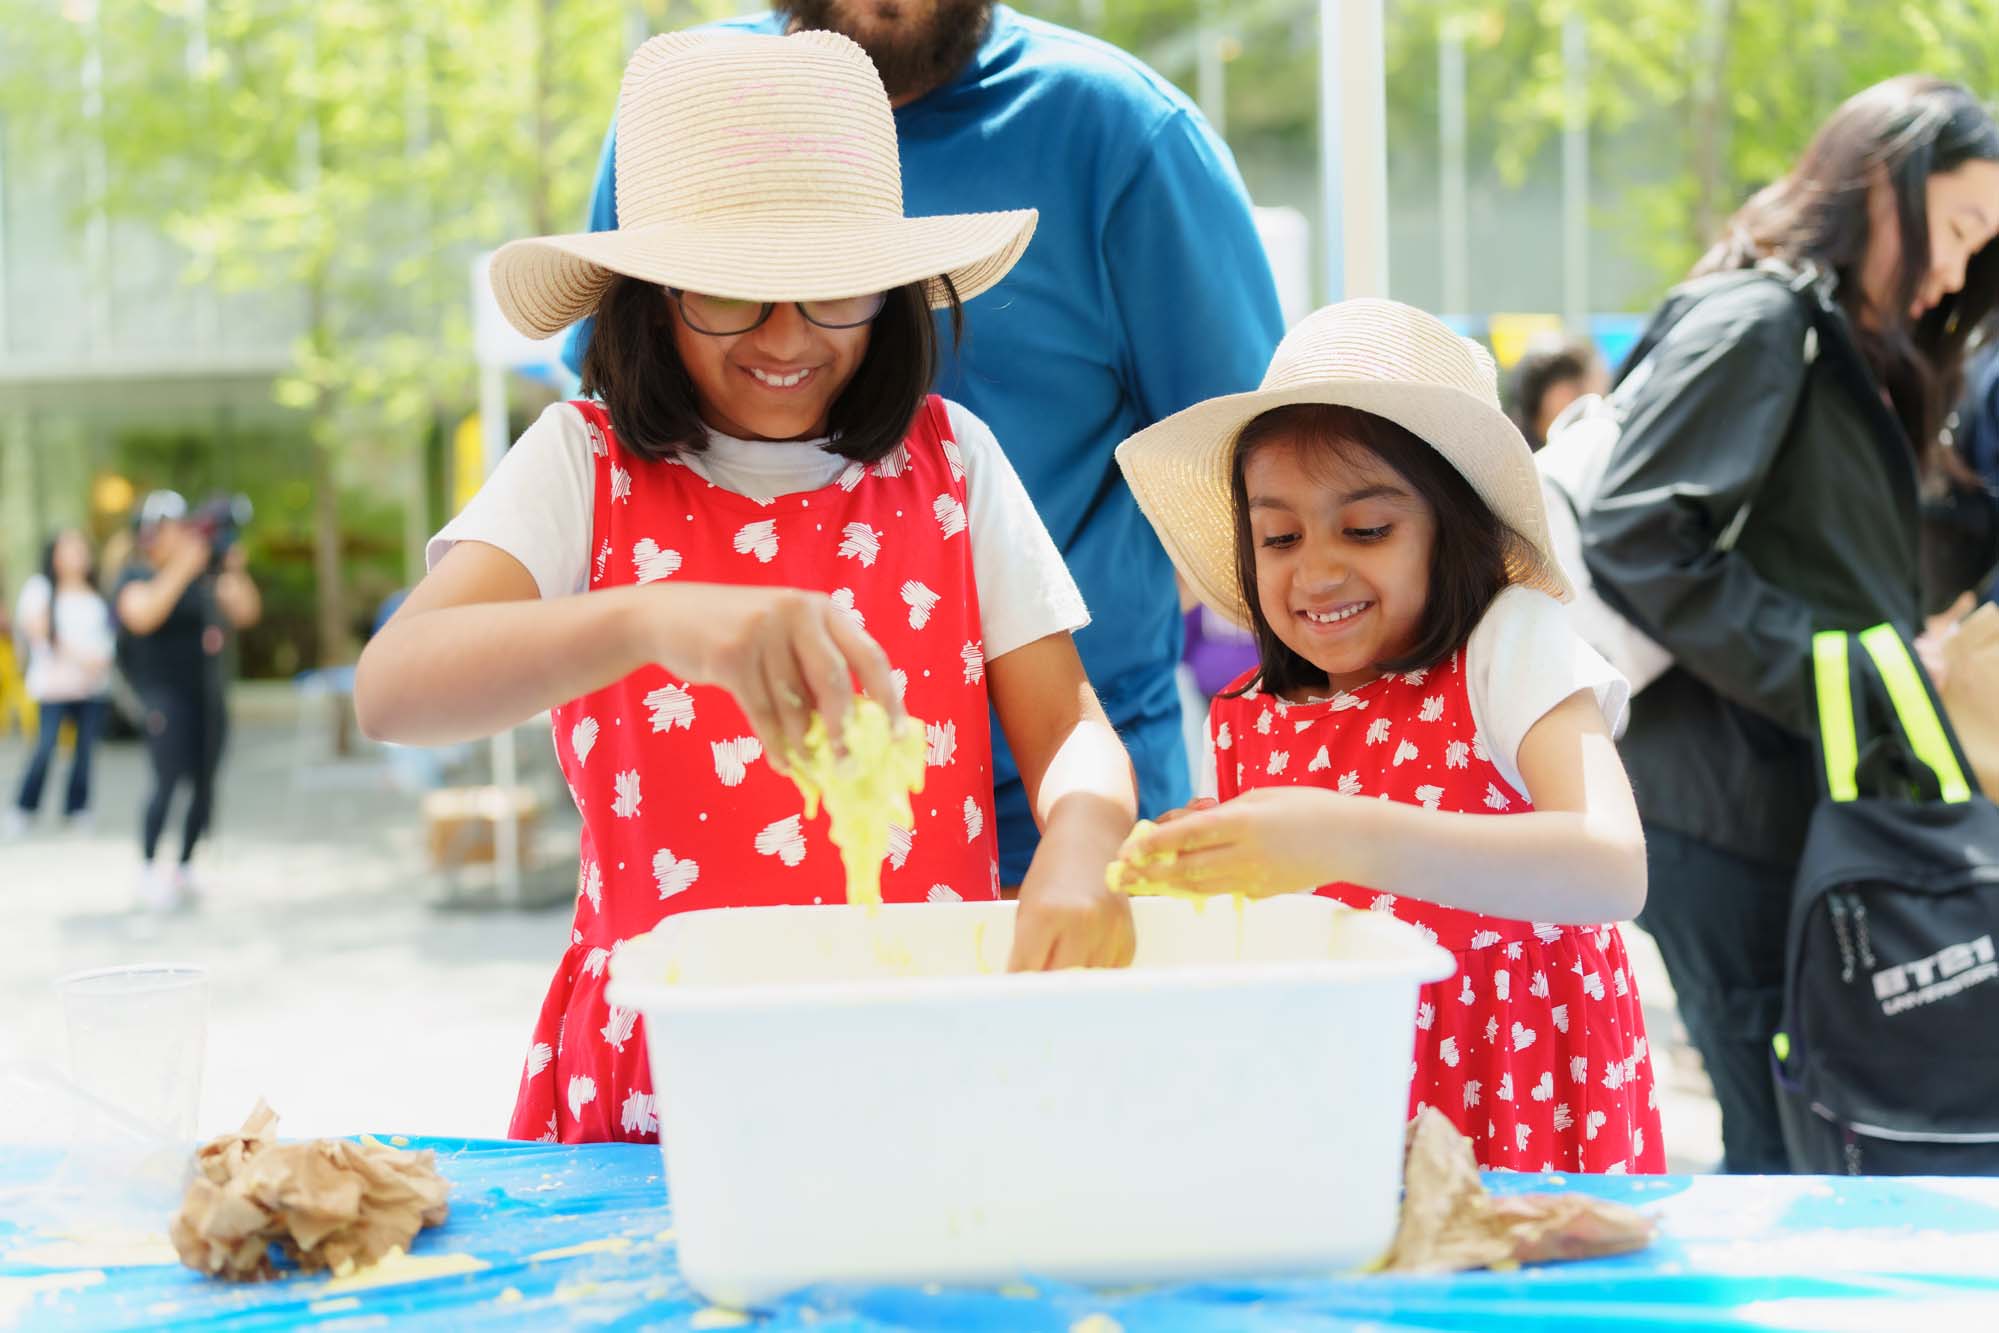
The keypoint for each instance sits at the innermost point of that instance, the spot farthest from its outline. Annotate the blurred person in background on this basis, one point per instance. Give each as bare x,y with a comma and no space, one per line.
177,601
67,627
1552,373
1964,514
17,709
1766,485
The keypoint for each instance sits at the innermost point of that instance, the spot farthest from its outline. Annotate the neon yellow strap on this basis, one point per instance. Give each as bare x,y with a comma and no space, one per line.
1842,755
1918,714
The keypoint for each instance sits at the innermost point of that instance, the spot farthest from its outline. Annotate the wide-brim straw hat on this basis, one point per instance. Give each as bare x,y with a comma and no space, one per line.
1382,357
761,168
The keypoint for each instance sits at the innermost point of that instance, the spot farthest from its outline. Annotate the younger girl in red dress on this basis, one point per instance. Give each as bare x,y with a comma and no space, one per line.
1374,519
759,505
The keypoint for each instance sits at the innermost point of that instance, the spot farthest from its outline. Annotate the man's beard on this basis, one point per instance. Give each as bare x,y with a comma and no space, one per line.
913,57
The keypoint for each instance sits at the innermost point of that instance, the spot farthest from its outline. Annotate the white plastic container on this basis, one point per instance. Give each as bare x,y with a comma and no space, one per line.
856,1095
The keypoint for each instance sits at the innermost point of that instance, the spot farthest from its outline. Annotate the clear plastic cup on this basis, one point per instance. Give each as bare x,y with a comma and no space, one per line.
138,1040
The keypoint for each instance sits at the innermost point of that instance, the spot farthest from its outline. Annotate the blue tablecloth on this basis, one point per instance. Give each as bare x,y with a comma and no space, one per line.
584,1237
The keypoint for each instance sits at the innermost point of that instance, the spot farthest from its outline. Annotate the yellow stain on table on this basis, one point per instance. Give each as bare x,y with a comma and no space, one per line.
717,1316
608,1245
1096,1323
135,1249
396,1268
864,791
338,1306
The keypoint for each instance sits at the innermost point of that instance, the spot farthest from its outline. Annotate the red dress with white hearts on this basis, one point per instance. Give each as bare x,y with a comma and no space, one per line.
679,809
1536,1048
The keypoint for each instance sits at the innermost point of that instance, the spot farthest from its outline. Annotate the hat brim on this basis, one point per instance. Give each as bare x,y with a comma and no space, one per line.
1179,471
547,283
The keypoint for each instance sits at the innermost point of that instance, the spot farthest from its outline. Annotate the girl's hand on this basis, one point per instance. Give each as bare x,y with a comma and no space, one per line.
1265,842
784,654
1193,807
1067,917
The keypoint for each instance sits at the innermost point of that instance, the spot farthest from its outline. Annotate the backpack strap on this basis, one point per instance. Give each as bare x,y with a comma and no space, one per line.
1928,734
1838,728
1843,724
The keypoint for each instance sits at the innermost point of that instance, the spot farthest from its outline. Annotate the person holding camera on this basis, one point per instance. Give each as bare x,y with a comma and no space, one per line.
187,586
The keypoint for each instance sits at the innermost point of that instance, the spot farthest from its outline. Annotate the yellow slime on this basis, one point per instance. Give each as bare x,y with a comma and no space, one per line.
1131,873
865,790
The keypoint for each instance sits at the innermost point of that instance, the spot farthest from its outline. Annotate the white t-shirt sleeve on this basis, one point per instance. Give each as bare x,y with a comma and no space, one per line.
1524,659
1025,589
32,604
537,506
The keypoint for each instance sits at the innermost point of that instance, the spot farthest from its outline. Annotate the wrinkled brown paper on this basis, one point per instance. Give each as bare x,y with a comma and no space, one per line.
325,1203
1449,1222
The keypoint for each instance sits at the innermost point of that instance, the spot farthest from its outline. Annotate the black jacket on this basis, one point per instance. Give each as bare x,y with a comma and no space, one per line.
1756,397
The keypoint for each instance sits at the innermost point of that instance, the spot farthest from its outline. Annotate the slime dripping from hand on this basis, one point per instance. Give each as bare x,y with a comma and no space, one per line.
864,790
1131,873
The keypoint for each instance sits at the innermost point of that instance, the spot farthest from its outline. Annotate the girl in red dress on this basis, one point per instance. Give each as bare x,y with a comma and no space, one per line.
1374,519
758,505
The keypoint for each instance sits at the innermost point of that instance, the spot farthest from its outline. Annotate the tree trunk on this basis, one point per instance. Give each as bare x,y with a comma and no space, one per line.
335,646
335,643
544,128
1710,123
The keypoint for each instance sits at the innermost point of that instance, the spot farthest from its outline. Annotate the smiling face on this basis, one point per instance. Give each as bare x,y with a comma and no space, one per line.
1342,544
1963,213
776,382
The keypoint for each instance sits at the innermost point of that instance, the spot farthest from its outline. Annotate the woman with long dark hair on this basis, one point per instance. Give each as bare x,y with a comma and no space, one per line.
69,634
1767,484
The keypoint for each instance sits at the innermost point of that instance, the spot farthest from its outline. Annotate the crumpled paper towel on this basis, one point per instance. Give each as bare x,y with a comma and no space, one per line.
1450,1222
324,1203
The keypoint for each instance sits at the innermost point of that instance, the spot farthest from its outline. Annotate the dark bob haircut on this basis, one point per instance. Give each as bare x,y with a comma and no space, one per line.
632,365
1467,557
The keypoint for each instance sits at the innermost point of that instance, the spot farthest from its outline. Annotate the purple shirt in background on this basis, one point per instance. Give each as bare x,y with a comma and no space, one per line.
1217,651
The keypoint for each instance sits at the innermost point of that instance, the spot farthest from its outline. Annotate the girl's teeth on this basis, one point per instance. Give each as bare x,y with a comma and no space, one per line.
1335,617
795,378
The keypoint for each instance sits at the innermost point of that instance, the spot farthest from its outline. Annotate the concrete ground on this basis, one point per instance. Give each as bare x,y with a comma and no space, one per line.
339,992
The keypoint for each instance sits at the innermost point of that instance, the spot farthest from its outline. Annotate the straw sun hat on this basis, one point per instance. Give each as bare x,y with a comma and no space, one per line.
761,168
1381,357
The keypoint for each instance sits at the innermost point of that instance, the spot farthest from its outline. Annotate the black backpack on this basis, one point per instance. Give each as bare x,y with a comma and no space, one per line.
1888,1062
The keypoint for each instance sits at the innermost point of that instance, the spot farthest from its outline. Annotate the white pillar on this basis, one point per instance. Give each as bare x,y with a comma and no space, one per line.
1210,76
1353,150
1575,176
1452,203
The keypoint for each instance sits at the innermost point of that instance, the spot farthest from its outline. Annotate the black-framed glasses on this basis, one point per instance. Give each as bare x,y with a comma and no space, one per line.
725,316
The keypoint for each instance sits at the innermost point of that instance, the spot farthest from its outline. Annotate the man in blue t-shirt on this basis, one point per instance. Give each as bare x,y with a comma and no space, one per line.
1144,290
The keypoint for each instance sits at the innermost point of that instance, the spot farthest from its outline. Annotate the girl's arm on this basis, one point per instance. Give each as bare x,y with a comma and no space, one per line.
1080,785
476,649
1577,858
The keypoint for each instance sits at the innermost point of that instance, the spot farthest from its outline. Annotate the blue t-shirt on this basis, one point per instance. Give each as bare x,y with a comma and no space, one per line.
1145,289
